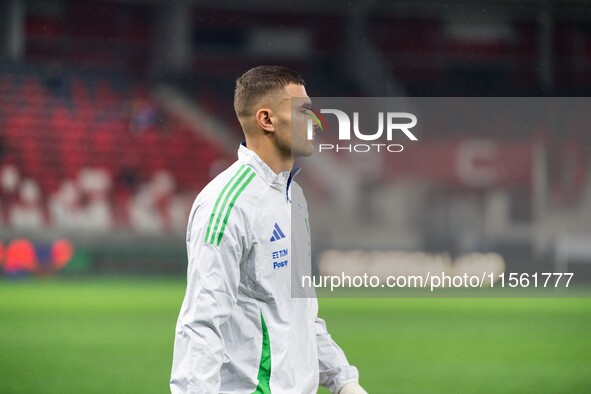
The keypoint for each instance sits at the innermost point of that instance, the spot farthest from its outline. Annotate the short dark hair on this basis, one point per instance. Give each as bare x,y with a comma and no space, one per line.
260,81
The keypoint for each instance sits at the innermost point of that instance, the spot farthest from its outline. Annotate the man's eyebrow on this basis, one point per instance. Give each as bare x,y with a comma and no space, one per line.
306,104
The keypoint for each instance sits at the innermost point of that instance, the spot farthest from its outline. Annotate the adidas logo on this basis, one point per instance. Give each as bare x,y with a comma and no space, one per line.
277,233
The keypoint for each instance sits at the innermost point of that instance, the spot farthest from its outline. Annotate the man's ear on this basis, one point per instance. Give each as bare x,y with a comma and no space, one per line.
263,117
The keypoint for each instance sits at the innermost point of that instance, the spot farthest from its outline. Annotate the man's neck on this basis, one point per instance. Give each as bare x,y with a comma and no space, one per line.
271,156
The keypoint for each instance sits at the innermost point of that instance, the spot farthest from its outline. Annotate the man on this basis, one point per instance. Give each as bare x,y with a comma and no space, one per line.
239,329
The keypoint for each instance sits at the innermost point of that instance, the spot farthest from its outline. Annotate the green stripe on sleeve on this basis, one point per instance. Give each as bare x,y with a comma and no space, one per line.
264,376
221,233
220,213
213,212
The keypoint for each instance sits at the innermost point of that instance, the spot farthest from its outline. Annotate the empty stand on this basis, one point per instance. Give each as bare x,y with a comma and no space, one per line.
52,130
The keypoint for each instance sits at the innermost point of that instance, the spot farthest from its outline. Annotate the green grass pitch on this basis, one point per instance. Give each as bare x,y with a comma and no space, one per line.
116,336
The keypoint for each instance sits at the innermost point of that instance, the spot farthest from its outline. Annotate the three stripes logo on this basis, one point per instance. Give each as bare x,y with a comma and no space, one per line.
277,233
225,202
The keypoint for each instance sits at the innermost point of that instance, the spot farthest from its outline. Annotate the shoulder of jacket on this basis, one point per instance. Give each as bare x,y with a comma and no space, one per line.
238,186
297,190
296,186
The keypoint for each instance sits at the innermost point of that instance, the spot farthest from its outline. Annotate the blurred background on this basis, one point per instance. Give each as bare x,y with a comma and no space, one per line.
115,114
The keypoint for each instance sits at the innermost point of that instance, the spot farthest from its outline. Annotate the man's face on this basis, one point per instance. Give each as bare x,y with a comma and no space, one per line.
292,114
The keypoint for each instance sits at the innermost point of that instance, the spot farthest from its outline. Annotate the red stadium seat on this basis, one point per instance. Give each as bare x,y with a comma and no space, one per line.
51,139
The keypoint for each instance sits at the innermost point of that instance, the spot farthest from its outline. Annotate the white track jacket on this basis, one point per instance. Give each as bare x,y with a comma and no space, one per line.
239,329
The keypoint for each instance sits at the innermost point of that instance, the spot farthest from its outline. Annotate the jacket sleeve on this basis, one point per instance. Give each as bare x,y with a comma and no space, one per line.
335,370
212,285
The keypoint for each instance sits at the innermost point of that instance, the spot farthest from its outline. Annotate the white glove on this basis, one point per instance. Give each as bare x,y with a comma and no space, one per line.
352,388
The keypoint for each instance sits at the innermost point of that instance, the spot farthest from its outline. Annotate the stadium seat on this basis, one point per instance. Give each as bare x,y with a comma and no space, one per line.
85,135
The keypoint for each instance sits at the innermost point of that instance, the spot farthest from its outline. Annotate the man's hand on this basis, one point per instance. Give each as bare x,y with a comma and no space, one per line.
352,388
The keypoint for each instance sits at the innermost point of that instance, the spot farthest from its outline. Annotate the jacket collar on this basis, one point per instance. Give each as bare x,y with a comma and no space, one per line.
279,181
